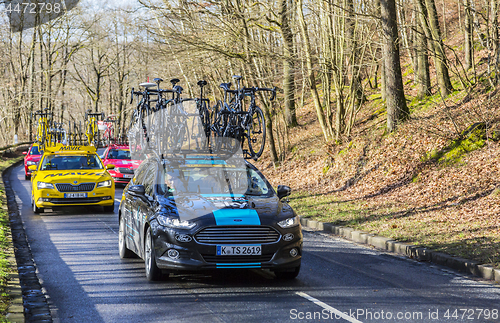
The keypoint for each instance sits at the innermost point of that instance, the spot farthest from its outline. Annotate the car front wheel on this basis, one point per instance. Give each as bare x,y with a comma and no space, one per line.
36,209
153,273
122,244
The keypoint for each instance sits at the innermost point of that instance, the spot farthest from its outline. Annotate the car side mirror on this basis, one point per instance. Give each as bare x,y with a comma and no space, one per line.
32,168
137,190
110,166
284,191
25,152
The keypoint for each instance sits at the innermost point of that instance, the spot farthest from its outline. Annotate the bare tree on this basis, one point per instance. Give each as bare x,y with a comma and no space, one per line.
397,109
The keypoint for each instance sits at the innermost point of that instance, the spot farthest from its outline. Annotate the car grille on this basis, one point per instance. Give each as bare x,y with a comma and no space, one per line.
237,259
76,200
84,187
237,235
124,170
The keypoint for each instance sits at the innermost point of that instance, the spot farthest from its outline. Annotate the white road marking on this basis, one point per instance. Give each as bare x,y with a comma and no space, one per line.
328,307
110,228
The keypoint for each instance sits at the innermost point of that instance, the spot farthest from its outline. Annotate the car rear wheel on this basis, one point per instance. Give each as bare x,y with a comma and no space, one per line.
288,275
122,243
153,273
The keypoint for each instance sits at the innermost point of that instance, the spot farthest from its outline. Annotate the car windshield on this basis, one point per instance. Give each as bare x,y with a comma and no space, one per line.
67,162
212,180
119,154
35,151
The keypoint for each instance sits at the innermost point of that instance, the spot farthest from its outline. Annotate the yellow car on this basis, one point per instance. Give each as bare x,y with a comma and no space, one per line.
71,175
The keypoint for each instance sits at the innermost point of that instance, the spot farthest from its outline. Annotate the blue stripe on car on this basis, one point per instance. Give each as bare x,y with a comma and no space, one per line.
240,265
236,217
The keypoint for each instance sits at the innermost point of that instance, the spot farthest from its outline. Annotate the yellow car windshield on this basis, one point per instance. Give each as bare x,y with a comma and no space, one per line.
68,162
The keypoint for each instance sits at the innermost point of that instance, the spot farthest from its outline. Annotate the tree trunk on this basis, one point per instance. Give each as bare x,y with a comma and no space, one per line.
288,64
395,98
383,89
422,73
495,42
468,35
441,63
352,52
310,72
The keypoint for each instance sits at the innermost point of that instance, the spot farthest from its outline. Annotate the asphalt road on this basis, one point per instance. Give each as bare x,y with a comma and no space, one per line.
76,253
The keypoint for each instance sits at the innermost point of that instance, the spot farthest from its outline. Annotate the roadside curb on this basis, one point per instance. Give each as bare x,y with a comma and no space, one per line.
414,252
29,303
15,311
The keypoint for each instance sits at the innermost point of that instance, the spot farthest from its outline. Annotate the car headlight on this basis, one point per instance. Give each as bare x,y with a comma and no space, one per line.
175,223
42,185
290,222
30,163
104,184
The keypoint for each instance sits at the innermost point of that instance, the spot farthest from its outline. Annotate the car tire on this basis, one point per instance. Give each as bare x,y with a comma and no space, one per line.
122,243
288,275
108,208
26,177
153,273
36,209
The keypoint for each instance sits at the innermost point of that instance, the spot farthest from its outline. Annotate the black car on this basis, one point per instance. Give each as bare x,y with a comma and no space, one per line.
203,212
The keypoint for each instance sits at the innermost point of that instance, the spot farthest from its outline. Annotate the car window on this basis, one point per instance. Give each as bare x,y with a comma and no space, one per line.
35,151
119,154
149,179
140,173
68,162
212,180
256,184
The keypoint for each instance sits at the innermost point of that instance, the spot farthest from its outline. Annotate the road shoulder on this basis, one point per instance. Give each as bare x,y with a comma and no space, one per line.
411,251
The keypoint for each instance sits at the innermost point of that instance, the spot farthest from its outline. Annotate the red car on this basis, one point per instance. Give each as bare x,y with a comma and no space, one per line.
119,155
32,157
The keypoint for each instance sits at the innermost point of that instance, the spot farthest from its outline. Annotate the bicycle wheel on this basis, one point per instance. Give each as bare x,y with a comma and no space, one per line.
198,134
256,133
133,136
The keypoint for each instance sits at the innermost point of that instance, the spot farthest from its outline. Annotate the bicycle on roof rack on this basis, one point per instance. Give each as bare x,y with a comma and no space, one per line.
231,120
42,136
107,126
179,125
170,127
165,125
200,119
57,134
91,127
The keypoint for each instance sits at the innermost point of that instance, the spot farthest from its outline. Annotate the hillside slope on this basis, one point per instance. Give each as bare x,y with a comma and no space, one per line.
435,181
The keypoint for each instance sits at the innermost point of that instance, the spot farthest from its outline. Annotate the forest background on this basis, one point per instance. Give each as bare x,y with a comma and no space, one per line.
388,120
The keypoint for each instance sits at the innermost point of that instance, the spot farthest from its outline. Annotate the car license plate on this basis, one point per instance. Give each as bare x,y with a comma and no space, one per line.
75,195
254,250
128,175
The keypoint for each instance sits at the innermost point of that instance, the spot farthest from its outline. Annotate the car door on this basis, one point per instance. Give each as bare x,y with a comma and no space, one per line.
145,204
130,209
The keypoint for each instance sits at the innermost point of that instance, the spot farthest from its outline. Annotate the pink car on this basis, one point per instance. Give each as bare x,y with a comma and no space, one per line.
32,157
119,155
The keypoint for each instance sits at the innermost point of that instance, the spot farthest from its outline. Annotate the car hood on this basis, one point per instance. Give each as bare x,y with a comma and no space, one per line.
126,163
73,176
210,209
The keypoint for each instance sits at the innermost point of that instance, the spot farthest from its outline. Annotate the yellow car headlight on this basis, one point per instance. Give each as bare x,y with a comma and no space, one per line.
104,184
43,185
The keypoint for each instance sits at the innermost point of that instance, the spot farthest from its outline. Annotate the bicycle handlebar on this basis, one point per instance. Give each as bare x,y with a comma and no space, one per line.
252,90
